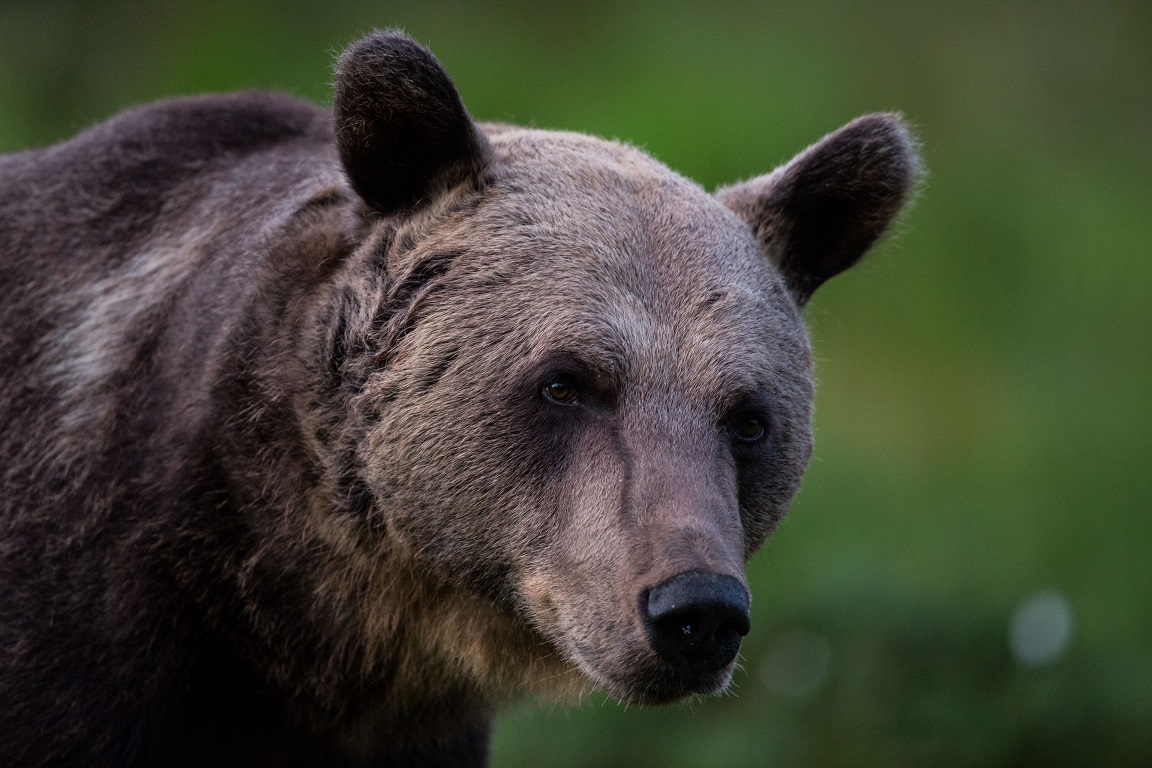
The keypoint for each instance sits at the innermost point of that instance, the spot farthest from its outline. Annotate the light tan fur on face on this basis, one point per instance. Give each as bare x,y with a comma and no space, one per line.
426,629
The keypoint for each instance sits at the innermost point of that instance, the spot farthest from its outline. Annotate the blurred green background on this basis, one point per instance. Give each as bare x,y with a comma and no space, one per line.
966,577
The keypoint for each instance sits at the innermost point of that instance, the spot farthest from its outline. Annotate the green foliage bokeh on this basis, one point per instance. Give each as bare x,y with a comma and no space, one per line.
984,413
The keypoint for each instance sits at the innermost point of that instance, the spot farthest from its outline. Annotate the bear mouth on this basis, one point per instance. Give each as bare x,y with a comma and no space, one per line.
646,680
661,688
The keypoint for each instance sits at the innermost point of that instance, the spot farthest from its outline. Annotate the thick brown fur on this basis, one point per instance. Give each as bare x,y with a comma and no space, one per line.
281,480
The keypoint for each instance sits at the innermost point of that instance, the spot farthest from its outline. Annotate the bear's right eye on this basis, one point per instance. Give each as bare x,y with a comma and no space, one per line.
749,429
560,392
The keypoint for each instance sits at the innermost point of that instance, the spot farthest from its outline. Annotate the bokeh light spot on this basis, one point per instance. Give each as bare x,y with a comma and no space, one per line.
1041,629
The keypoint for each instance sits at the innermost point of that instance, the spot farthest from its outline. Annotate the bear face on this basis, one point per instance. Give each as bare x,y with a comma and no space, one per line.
649,418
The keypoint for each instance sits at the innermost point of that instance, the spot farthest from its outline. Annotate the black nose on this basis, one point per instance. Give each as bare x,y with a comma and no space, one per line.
696,620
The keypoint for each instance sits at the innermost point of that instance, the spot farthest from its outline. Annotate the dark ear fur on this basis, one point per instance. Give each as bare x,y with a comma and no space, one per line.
403,133
817,215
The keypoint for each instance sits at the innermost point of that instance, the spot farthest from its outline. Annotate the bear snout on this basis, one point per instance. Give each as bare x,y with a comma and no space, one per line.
694,621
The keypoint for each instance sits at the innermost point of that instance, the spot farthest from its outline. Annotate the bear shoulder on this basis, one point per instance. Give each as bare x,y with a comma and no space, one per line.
110,187
133,161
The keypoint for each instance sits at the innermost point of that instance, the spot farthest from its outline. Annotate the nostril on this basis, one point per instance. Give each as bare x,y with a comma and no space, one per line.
696,619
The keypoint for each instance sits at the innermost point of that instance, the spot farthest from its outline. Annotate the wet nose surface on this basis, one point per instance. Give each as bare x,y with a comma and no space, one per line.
695,620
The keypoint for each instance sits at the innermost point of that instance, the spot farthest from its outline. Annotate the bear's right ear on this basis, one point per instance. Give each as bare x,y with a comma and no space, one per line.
819,213
403,133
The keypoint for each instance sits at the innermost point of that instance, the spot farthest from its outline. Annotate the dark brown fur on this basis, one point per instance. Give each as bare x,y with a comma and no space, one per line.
280,486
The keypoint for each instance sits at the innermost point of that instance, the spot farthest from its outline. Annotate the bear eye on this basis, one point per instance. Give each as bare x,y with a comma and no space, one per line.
560,392
749,429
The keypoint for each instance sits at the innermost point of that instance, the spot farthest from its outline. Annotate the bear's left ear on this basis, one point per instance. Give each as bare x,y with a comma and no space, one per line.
819,213
403,133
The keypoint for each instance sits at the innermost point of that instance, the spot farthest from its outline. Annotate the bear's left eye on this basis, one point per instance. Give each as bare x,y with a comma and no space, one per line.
560,392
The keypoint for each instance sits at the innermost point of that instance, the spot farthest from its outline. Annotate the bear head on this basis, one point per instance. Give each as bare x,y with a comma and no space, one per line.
577,387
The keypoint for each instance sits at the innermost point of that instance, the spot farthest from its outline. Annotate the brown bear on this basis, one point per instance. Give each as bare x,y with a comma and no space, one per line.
325,435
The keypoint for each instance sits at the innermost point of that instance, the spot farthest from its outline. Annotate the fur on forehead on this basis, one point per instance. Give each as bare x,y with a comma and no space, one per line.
607,213
599,210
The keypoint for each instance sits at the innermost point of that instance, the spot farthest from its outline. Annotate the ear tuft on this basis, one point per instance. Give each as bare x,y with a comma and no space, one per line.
817,215
402,130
